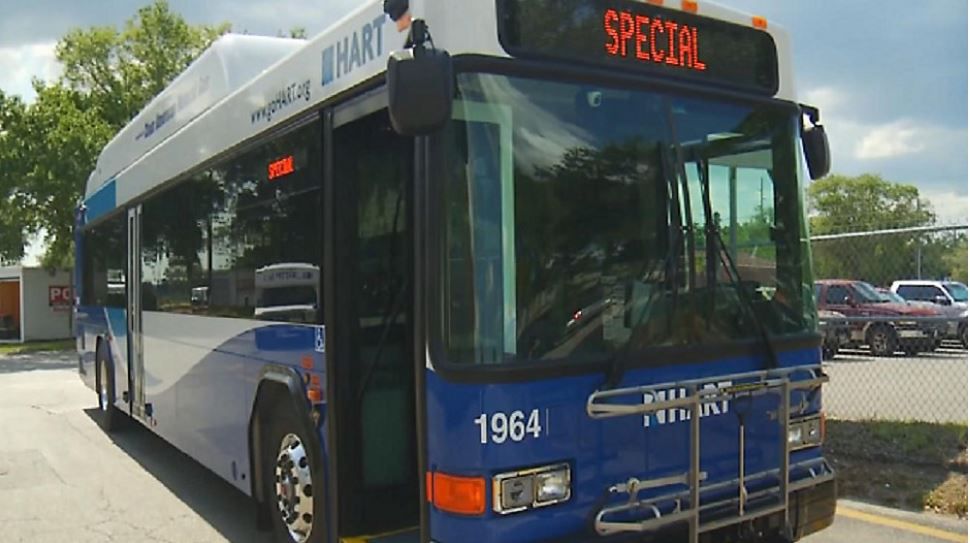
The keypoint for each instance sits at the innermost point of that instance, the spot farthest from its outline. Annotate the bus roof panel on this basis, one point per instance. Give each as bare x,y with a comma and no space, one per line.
227,65
256,86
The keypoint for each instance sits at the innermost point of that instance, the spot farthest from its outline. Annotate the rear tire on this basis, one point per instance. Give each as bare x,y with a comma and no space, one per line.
110,418
882,341
294,492
963,335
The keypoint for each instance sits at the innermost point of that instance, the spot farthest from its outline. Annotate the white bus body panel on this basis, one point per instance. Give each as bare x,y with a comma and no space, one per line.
299,82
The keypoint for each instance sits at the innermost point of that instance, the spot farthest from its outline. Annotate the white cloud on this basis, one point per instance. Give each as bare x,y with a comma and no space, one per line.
891,140
19,64
950,207
829,100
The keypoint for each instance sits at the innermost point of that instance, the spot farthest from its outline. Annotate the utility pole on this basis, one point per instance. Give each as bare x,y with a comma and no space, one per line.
919,247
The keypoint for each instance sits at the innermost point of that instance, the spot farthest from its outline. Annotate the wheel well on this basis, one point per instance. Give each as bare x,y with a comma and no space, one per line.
268,396
879,326
99,345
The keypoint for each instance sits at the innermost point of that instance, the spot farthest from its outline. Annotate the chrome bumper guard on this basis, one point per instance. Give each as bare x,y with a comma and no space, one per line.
684,504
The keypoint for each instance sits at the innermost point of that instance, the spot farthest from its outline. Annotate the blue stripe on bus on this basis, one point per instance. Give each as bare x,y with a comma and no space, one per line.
101,202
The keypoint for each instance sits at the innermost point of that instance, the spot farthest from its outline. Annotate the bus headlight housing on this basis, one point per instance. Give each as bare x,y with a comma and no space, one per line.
530,488
805,432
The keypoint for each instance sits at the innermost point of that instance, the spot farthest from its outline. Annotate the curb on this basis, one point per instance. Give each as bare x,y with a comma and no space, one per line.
932,520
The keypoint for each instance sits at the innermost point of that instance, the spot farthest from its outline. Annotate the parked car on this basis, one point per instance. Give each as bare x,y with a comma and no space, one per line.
892,327
941,326
949,296
835,332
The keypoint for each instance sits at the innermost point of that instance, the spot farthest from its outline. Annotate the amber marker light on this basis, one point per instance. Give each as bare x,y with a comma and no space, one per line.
759,22
689,6
456,494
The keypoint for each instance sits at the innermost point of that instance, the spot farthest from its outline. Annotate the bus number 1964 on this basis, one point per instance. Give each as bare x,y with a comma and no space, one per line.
505,427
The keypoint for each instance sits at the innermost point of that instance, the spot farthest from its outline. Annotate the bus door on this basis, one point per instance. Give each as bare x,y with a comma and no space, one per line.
372,284
136,368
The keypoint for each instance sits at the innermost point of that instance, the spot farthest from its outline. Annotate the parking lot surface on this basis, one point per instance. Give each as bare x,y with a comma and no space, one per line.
930,387
64,480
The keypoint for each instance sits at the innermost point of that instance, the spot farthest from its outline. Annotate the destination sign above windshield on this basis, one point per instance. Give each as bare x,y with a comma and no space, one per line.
640,36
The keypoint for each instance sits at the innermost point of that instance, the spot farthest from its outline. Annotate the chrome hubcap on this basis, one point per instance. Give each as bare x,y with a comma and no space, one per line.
294,488
880,341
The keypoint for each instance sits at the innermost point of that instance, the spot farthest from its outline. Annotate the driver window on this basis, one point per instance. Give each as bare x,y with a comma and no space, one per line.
837,295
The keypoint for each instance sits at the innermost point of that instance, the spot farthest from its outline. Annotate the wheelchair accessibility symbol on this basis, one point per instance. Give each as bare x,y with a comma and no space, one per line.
320,340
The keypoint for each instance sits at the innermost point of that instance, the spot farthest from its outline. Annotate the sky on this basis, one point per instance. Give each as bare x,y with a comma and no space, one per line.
890,76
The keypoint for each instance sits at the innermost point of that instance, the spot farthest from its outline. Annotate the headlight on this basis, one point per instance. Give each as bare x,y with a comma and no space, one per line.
552,486
805,432
530,488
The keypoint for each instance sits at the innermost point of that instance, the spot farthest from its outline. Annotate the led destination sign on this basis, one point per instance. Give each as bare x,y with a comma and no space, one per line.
643,37
280,168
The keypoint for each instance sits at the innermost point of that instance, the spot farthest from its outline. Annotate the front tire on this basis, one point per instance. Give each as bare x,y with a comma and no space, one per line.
882,341
293,489
109,416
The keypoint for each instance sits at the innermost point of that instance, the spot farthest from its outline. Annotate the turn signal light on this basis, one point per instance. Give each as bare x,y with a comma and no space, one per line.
460,495
314,394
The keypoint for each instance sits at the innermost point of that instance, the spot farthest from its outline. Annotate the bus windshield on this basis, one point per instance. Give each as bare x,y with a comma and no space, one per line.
287,296
583,221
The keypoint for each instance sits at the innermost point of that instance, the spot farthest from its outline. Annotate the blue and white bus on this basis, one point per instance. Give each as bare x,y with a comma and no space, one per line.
562,290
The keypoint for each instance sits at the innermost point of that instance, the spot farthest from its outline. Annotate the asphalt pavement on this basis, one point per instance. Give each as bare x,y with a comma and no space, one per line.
929,387
64,480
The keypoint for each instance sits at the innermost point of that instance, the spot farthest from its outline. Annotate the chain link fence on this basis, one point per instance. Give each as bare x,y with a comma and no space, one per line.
893,311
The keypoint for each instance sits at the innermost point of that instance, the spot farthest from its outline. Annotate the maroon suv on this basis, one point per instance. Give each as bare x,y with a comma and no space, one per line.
885,334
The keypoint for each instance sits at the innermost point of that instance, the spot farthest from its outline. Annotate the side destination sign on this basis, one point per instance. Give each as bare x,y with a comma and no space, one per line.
353,50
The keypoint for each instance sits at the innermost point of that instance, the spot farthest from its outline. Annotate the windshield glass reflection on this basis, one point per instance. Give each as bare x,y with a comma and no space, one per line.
583,222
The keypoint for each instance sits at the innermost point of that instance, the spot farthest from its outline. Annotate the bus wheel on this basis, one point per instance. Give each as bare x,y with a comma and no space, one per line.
109,417
291,482
882,341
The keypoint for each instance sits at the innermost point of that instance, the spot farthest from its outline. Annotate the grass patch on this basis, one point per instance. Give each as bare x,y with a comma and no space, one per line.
37,346
906,465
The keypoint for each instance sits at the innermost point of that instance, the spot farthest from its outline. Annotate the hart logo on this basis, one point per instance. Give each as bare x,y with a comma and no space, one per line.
353,51
668,416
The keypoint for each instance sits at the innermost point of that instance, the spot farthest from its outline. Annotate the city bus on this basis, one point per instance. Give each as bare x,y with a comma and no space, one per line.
564,278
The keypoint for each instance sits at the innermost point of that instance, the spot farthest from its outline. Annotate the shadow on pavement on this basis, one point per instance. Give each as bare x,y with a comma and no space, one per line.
37,361
220,504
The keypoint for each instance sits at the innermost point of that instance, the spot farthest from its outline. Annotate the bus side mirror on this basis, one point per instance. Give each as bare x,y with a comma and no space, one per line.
815,144
420,90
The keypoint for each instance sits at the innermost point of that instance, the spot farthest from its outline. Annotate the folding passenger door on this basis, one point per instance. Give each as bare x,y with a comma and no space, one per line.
136,370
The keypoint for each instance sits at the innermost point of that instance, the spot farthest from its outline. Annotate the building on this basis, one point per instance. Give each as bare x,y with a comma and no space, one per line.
35,304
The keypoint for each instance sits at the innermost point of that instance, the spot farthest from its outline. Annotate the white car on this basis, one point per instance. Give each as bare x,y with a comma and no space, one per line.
950,296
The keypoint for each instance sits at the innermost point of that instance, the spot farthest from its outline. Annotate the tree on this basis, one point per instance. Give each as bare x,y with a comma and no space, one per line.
109,76
956,260
14,222
839,204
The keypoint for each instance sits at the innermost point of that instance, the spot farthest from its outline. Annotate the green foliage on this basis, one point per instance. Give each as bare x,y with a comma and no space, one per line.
839,204
48,149
14,221
956,260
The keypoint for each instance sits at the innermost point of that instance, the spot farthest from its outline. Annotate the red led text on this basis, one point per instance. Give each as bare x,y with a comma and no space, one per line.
281,167
654,40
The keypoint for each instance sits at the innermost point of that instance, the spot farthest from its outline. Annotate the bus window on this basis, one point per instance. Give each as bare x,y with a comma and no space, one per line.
104,263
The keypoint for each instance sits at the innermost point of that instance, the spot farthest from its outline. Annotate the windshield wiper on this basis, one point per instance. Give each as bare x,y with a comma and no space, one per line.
714,234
